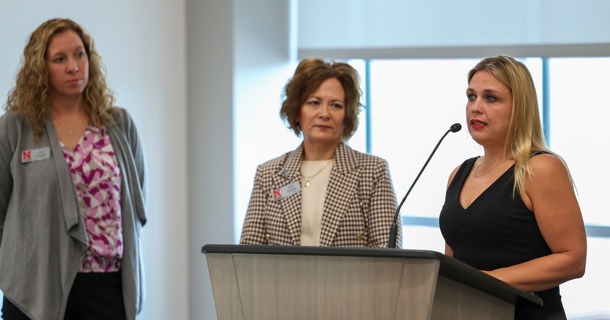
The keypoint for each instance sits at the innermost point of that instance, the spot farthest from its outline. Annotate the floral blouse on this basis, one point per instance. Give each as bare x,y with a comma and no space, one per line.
97,179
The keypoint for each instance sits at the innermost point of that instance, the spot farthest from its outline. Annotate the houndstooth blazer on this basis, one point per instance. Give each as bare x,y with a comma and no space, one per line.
359,207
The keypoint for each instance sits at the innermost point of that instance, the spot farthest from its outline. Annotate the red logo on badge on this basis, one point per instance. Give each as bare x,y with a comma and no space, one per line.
26,155
277,193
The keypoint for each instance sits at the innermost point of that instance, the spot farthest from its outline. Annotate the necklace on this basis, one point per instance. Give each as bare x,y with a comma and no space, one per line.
61,124
309,178
476,171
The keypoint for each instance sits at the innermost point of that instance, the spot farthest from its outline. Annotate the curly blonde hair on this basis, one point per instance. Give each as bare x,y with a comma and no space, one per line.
310,73
29,97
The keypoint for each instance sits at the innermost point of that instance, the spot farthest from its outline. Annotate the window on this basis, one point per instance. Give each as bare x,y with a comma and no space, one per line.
410,104
413,103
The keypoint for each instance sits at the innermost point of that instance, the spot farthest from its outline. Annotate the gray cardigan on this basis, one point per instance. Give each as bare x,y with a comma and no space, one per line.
42,236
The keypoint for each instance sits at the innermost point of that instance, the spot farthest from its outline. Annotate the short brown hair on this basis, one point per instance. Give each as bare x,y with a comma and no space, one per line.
309,75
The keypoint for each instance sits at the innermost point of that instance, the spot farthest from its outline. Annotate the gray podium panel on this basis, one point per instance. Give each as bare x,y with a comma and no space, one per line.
270,282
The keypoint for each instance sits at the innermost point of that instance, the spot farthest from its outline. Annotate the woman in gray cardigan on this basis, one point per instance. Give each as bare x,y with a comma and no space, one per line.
72,189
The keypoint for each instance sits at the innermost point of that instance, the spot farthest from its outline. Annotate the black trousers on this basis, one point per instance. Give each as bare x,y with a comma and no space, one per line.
94,296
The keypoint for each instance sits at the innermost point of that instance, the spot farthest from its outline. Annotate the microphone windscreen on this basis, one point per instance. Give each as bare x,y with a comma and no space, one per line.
455,127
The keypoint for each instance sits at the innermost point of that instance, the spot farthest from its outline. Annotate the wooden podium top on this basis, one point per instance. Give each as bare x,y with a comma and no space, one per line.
449,268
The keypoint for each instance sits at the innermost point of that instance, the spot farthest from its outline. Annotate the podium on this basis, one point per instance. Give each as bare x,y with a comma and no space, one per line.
291,282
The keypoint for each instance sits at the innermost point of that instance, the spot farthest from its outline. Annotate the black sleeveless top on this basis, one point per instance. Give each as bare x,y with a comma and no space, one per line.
497,230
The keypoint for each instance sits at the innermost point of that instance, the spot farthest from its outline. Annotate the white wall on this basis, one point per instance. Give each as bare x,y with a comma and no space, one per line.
238,52
264,61
396,29
210,27
342,24
143,46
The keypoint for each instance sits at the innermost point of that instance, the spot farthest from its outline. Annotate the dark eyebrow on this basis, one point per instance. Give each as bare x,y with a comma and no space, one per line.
486,91
491,91
57,54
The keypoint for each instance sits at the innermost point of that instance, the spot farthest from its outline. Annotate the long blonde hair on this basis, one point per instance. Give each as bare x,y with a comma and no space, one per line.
30,94
525,134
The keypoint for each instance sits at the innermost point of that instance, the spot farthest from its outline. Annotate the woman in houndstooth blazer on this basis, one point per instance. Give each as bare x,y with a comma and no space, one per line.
324,193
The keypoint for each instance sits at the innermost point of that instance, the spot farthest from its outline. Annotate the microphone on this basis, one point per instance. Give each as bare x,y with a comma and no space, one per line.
394,228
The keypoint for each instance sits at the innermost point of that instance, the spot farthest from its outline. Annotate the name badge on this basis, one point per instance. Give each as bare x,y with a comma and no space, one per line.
35,154
285,191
